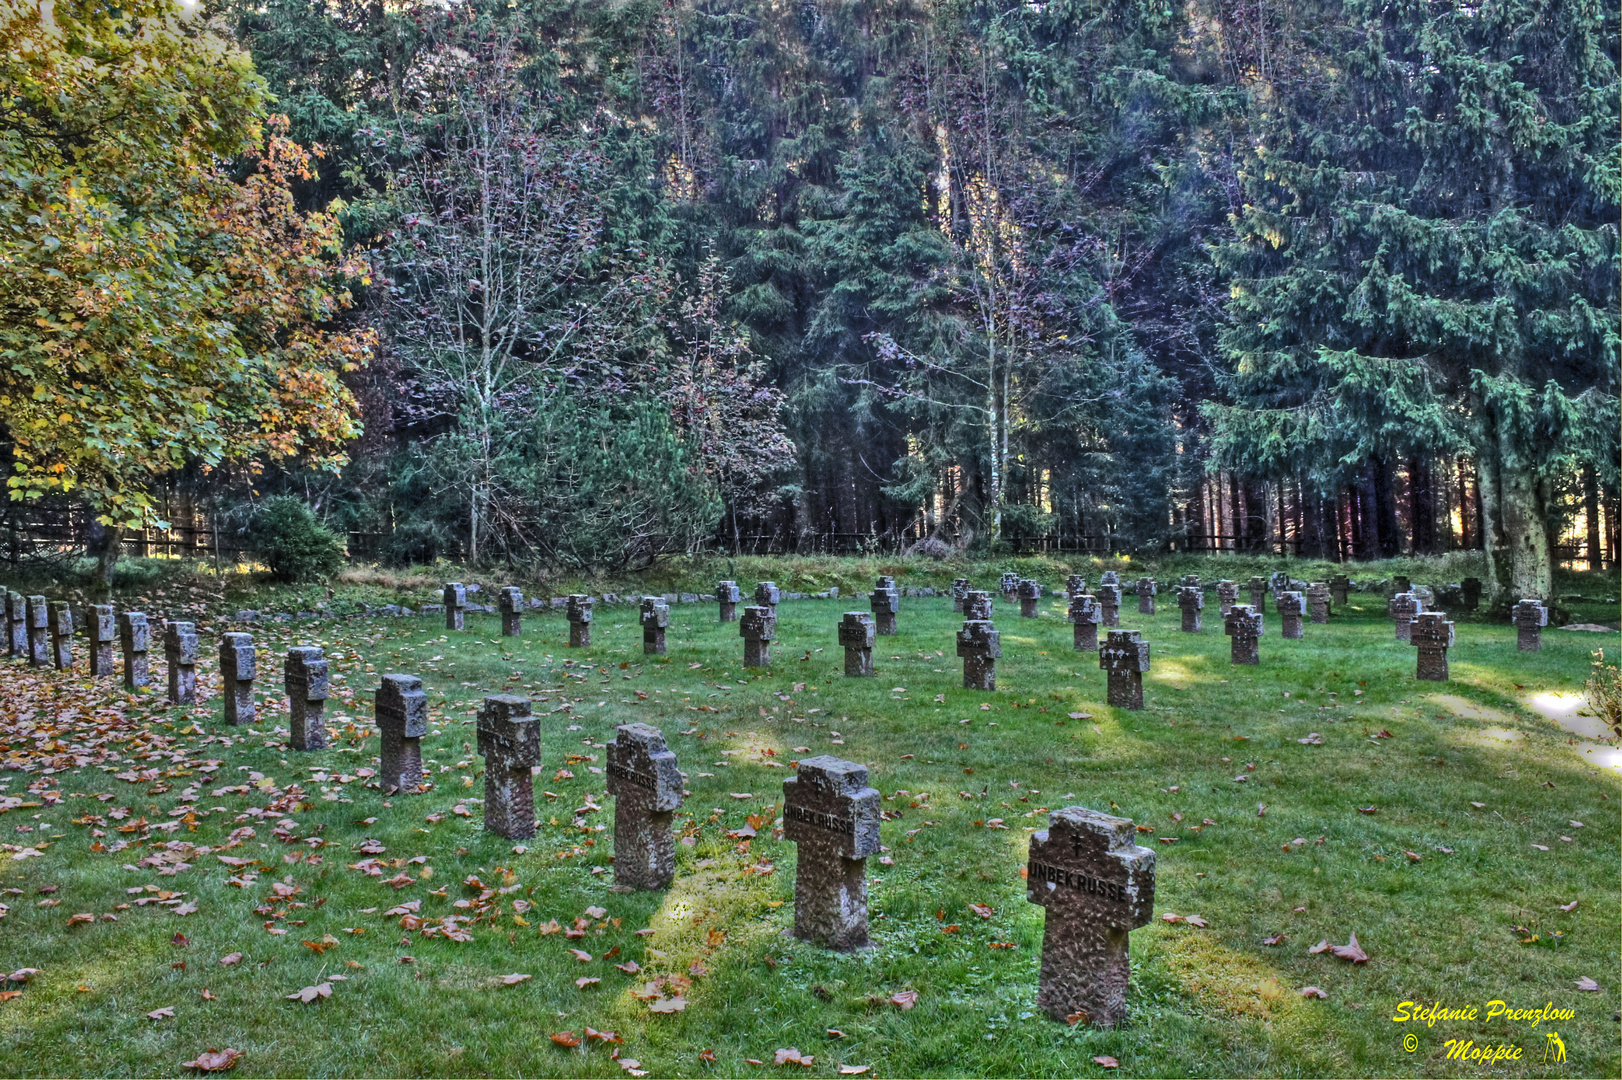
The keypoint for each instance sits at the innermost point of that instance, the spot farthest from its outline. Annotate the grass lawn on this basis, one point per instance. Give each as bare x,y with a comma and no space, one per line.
1447,825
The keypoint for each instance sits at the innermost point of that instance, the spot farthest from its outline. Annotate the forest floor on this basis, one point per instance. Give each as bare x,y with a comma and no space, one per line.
177,883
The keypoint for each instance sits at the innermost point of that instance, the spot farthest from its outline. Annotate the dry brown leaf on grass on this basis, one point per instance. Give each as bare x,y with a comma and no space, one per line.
212,1060
668,1005
985,911
1312,992
1350,951
23,974
231,958
1585,983
585,981
566,1038
1563,907
853,1070
581,955
707,1056
514,979
790,1055
161,1014
310,993
632,1066
610,1037
904,1000
1107,1061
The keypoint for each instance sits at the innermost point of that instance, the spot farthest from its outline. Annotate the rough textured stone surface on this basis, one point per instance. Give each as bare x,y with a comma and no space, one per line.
306,678
1318,601
758,628
977,606
16,623
646,785
1110,577
1530,617
103,628
180,654
1291,606
1097,885
578,612
655,620
1227,596
1147,590
239,666
728,597
1432,635
1190,581
833,817
39,631
1243,623
61,619
1191,601
856,635
1030,598
979,644
510,601
1124,656
1470,590
1277,582
1008,584
960,589
401,709
1404,608
1338,586
1086,615
455,605
1109,603
885,601
1256,586
767,594
1074,586
135,639
510,743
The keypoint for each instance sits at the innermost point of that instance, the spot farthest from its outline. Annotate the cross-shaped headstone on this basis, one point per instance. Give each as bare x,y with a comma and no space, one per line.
757,628
1227,596
655,620
1243,623
455,605
960,589
885,601
510,601
1470,588
1426,597
727,594
1256,586
103,630
16,623
239,666
306,678
39,632
1338,586
979,644
180,654
510,743
1124,656
1097,886
578,613
1531,616
1291,605
1191,581
1146,595
1110,577
401,709
1006,585
767,594
647,790
1109,603
1074,586
977,605
856,635
1404,608
1318,601
1191,599
1086,615
833,817
135,638
1432,634
1030,598
1277,582
61,617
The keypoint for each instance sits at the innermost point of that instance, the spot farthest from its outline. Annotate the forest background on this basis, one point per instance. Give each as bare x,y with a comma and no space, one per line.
582,284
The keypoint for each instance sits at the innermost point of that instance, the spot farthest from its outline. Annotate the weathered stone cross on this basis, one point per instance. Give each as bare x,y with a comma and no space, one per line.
757,628
61,616
510,743
455,605
1404,608
1530,616
1109,602
1085,614
401,709
979,644
727,594
510,601
239,666
1146,595
655,620
1227,596
1243,623
1318,601
960,589
1125,657
306,677
833,817
885,601
1290,606
1191,599
856,635
647,789
1432,634
103,630
180,653
1030,598
135,636
579,615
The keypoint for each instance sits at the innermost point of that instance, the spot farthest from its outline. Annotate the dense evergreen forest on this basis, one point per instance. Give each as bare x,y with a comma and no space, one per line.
583,283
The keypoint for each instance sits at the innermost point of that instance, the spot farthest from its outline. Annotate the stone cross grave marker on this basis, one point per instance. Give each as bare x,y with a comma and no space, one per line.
1030,598
1318,601
1291,605
1097,885
647,790
979,644
977,605
307,679
61,618
455,605
180,653
960,589
1432,634
885,600
1110,577
1256,586
1006,585
239,666
401,709
1086,615
655,621
1191,581
578,613
1124,656
833,818
1530,616
1191,599
728,596
103,630
1074,586
510,601
1277,582
39,632
856,635
1338,586
767,594
1470,589
510,743
757,628
1426,597
1109,603
135,638
1243,623
1146,595
16,623
1404,608
1227,596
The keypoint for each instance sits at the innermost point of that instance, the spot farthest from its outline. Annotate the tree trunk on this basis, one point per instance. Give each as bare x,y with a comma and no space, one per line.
1487,509
1385,509
1591,517
104,544
1524,510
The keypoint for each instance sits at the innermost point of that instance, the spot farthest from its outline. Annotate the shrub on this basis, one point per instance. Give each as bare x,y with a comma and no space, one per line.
290,539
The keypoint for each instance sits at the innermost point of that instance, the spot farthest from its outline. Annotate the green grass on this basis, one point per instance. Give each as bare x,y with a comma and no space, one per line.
1213,1001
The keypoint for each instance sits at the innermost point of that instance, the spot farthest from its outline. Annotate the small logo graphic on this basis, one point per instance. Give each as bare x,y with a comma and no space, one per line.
1410,1042
1556,1045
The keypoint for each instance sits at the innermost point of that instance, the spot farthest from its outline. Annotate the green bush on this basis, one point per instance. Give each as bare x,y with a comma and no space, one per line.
290,539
